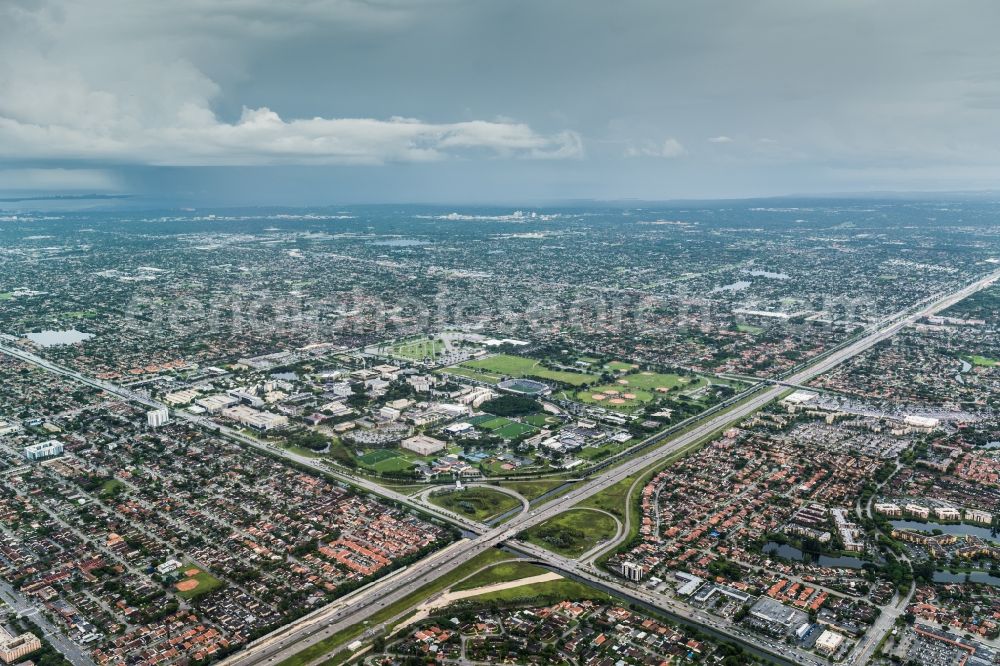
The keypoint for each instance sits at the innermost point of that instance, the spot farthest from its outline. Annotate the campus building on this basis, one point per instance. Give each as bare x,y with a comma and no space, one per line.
423,445
252,418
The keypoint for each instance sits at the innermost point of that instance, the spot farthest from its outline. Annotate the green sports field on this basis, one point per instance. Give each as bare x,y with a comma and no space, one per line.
495,368
195,582
540,420
506,428
637,389
386,460
417,350
515,430
377,456
495,423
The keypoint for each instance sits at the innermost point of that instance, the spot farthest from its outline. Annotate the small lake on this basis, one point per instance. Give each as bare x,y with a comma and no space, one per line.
739,285
982,532
974,577
56,338
769,275
787,552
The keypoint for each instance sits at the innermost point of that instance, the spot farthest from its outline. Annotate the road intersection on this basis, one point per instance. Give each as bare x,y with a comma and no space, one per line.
361,605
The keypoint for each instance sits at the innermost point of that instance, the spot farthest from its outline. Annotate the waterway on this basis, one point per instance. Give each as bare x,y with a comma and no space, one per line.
960,529
974,577
788,552
56,338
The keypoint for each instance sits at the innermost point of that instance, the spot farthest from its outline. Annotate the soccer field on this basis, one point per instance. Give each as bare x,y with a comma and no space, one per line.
506,428
377,456
495,368
386,460
418,350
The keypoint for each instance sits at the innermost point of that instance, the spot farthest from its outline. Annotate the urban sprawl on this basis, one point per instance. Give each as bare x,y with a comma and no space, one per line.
600,436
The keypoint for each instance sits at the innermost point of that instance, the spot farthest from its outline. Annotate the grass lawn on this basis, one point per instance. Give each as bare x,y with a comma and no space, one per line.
747,328
303,451
544,593
406,490
540,420
612,498
982,360
495,423
476,503
619,366
592,452
195,582
418,350
110,487
394,464
495,367
377,456
515,430
314,652
390,460
6,296
572,533
500,573
533,489
471,373
495,467
506,428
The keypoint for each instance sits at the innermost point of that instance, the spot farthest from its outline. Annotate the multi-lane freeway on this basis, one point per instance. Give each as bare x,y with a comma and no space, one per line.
338,616
320,627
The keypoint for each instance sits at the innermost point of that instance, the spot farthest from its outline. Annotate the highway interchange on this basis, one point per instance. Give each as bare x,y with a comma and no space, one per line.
361,605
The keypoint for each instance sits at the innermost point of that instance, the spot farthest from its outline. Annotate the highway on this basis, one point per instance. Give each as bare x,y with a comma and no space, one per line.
336,617
424,572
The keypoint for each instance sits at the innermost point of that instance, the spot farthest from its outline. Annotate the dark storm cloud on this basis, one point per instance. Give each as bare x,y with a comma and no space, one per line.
501,99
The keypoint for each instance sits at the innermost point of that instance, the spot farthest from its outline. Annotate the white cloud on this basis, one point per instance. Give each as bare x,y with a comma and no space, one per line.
261,137
79,88
720,139
670,148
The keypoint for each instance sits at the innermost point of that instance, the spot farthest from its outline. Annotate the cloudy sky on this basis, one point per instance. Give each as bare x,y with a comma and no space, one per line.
325,101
